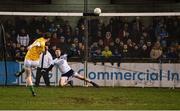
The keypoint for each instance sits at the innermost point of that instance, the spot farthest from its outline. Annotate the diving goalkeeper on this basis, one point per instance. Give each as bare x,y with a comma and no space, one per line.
66,70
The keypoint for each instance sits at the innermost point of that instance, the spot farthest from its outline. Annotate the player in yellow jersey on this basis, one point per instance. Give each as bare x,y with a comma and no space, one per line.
32,60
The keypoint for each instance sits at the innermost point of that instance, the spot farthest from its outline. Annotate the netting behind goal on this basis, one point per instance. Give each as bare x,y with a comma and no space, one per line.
101,46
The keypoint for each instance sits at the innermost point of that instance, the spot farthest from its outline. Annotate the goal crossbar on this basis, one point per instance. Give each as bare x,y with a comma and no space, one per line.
81,14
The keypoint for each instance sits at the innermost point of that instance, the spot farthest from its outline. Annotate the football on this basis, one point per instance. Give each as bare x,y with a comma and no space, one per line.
97,11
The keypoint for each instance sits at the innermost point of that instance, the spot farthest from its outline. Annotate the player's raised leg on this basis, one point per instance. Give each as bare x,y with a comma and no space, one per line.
20,73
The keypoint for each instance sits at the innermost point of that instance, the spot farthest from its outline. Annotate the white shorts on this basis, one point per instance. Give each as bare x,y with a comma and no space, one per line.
30,63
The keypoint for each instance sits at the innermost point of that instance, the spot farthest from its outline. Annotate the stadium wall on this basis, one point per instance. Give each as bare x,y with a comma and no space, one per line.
129,74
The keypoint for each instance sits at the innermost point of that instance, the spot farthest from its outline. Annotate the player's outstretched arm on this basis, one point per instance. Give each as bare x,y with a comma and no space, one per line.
50,67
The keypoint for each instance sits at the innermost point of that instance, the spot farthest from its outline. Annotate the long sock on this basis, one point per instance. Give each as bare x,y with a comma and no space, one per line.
31,88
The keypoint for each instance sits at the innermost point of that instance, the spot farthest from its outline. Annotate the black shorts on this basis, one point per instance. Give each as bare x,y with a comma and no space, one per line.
68,74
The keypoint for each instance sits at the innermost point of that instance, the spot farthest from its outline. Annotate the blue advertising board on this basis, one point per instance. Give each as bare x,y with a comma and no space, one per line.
12,68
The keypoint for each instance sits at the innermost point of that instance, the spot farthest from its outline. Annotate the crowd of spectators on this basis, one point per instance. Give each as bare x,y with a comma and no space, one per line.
118,39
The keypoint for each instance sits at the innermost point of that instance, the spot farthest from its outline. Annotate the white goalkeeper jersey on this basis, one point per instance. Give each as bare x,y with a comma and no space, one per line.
62,64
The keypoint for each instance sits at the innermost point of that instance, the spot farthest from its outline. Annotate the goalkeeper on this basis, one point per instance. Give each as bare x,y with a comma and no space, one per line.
66,71
32,60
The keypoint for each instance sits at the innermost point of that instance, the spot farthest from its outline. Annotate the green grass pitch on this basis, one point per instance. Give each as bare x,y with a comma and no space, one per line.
87,98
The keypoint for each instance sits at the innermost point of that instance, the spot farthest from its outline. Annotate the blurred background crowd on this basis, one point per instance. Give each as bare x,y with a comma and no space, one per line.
118,39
